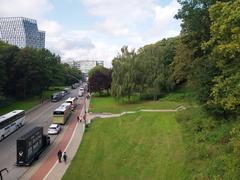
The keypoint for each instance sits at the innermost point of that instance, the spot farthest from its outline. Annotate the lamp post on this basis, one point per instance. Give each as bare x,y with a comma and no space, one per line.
5,169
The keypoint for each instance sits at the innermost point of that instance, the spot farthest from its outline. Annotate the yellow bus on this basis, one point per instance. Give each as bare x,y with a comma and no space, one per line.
72,101
62,113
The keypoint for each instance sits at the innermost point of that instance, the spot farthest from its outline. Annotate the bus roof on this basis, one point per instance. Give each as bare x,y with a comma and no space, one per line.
63,107
9,115
70,99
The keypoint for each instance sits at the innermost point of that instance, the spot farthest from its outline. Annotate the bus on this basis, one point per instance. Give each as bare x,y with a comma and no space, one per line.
72,101
11,122
62,113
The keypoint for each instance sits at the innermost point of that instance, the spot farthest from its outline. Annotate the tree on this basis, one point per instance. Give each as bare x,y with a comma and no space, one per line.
123,78
7,54
156,67
195,32
182,63
100,78
225,52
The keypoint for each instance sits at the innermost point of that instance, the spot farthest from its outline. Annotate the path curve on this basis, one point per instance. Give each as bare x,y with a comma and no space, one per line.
111,115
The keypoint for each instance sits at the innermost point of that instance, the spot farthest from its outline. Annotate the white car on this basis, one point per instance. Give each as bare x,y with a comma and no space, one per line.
54,129
81,91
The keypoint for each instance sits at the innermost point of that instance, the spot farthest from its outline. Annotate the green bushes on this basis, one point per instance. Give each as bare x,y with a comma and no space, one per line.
212,145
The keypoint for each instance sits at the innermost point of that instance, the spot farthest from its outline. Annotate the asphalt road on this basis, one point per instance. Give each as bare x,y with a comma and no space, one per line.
42,116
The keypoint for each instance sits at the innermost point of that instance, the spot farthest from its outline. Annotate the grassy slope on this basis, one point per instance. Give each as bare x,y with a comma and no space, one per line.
109,104
212,145
23,105
136,146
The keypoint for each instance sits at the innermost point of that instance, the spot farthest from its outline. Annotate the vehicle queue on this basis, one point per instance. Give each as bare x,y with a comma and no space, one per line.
30,145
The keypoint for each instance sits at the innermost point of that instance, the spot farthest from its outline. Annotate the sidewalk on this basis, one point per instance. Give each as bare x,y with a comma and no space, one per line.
59,169
49,168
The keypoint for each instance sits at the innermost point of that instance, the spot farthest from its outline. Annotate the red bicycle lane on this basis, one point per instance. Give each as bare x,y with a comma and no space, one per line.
47,165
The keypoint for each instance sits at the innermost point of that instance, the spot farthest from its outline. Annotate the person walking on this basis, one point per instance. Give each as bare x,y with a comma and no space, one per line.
59,154
78,119
65,157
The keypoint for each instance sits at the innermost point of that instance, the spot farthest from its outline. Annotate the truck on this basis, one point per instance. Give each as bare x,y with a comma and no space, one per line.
30,146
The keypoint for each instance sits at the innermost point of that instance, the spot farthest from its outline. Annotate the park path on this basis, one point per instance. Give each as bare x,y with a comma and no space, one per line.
111,115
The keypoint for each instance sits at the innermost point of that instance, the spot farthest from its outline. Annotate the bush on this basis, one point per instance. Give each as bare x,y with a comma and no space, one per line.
212,145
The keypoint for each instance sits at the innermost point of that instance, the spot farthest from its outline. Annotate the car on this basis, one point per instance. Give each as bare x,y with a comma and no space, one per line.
54,129
81,91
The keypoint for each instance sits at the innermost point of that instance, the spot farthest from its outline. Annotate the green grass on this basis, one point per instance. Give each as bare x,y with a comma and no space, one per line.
30,102
109,104
135,146
22,105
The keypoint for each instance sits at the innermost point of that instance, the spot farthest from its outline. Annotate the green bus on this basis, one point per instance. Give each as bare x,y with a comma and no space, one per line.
62,113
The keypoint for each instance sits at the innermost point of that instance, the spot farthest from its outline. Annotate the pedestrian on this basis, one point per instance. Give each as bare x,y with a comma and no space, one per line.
59,154
65,157
78,119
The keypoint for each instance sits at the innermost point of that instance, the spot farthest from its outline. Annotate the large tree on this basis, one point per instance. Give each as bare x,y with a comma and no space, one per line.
123,77
225,52
100,79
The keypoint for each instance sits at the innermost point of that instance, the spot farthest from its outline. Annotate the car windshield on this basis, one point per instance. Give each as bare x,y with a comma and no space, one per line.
52,127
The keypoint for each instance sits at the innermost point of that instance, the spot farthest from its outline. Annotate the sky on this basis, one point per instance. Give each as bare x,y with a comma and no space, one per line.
97,29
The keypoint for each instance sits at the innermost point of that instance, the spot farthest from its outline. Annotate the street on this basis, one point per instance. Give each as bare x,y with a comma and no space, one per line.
42,116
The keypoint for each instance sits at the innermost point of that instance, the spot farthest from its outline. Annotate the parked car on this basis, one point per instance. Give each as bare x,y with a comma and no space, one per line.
54,129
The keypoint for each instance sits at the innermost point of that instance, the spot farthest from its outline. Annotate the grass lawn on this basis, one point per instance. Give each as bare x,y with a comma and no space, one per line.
135,146
109,104
22,105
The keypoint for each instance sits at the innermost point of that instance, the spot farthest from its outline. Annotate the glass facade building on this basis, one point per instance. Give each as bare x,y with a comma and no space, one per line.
22,32
86,65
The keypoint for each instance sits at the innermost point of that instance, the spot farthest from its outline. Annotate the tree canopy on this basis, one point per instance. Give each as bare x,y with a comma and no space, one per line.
100,79
26,72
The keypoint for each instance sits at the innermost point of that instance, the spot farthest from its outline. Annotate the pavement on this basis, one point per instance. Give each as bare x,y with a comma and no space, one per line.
40,116
50,168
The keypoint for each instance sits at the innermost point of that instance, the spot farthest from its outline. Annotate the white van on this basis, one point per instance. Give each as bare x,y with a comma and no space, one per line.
81,91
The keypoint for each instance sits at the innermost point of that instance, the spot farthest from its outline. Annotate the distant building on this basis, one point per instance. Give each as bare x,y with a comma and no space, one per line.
22,32
86,65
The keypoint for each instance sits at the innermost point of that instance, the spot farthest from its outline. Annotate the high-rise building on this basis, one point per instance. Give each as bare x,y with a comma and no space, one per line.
86,65
22,32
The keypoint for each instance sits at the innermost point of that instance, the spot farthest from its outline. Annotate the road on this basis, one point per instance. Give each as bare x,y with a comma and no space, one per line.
40,117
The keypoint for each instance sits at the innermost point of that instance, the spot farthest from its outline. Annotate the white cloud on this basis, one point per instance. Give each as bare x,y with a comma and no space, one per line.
26,8
112,27
164,23
136,22
121,10
120,22
53,28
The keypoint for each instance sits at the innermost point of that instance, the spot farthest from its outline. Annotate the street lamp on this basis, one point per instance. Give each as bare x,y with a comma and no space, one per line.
5,169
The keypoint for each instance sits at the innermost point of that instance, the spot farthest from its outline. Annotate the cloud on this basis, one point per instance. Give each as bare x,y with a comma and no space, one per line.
164,23
26,8
136,22
115,23
112,27
53,28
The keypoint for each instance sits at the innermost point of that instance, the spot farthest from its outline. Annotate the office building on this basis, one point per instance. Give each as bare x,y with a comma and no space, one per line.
22,32
86,65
